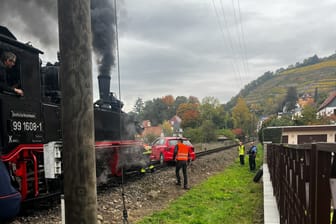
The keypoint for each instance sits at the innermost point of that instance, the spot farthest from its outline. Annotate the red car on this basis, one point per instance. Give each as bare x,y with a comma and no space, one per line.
163,149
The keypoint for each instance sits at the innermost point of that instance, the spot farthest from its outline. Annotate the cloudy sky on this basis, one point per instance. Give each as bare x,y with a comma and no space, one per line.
192,47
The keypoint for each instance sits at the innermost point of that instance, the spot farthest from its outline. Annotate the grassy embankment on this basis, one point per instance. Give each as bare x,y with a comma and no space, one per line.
229,197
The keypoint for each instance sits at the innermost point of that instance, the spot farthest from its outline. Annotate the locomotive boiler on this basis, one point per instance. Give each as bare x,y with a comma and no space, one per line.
30,131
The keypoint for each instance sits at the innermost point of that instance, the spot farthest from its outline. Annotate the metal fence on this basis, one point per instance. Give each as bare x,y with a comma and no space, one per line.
302,176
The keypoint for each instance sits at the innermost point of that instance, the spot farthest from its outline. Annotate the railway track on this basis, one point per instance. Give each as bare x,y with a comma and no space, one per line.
214,150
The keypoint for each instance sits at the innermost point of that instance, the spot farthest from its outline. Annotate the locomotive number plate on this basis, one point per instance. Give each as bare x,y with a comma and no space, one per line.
26,126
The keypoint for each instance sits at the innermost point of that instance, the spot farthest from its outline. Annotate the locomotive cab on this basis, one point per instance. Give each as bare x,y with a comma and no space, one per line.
20,116
22,132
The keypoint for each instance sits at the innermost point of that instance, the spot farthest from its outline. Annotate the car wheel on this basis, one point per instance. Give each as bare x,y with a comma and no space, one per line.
161,159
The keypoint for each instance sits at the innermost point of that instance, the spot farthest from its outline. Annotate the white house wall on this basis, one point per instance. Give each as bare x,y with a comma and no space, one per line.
328,111
293,135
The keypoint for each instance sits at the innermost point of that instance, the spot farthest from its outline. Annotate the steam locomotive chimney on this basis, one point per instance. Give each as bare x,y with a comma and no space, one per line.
104,87
103,20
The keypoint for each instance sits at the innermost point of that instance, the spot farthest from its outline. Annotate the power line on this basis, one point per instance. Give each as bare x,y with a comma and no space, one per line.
237,33
243,38
229,42
238,47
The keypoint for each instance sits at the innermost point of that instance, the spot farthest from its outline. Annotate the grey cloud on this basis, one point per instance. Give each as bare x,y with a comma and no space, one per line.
35,17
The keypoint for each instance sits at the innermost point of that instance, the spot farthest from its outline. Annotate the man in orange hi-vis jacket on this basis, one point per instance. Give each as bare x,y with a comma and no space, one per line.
181,154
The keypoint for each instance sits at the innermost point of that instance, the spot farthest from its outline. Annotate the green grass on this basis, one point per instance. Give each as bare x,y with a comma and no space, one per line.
228,197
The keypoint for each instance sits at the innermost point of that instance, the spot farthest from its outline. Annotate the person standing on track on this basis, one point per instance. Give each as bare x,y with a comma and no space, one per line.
181,154
241,151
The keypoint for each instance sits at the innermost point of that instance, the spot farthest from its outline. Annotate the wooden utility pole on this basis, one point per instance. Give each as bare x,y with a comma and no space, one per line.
80,193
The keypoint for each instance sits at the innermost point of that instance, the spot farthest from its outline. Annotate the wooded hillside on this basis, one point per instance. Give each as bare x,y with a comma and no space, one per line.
266,93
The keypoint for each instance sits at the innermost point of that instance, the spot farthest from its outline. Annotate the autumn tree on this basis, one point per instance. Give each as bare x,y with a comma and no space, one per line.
189,113
193,99
169,101
241,116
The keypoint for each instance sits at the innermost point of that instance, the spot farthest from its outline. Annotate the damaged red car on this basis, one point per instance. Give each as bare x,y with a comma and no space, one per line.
163,149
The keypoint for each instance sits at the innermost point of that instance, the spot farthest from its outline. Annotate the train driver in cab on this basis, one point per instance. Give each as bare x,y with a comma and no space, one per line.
7,61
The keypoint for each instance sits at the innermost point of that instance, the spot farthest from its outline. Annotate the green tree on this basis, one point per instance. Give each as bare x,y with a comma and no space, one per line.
228,120
178,101
193,134
308,115
211,109
220,118
285,120
156,111
312,60
138,106
208,131
207,108
226,132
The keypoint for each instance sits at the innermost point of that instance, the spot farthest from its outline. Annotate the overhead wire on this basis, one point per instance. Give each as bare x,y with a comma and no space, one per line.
238,37
228,37
243,39
238,47
235,53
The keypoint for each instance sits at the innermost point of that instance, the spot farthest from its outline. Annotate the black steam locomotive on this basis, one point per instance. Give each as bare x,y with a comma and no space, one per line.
30,131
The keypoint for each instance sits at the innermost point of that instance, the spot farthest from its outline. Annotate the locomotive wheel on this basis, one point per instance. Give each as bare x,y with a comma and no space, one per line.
161,159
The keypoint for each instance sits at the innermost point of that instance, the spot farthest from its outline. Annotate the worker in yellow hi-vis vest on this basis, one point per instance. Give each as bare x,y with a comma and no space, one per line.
241,151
